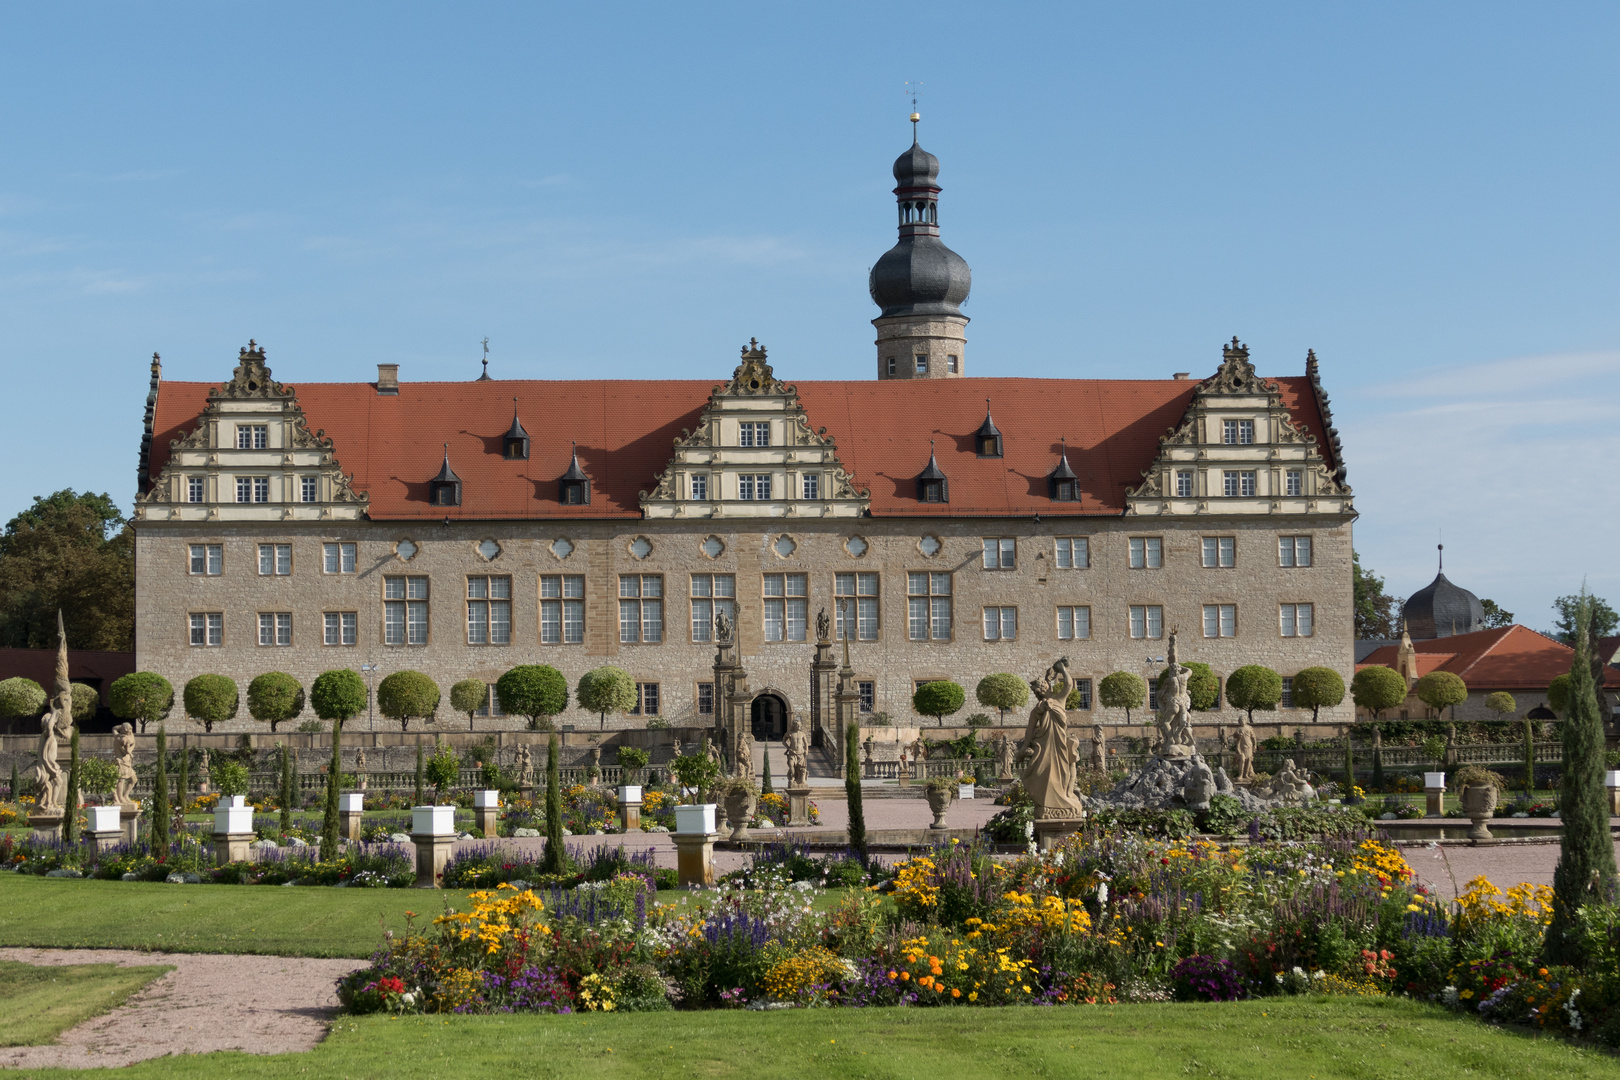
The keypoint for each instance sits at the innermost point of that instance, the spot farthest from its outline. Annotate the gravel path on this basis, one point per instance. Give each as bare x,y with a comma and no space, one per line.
257,1004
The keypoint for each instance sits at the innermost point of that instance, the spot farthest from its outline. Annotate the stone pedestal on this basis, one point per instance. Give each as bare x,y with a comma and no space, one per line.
432,853
351,808
102,841
1611,780
232,847
630,807
694,858
1050,831
487,813
798,806
129,821
46,825
1436,800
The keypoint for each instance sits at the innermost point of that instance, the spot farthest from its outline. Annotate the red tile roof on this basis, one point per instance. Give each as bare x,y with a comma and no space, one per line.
625,430
1507,658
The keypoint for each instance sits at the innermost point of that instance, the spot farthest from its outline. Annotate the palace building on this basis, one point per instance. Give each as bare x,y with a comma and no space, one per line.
954,524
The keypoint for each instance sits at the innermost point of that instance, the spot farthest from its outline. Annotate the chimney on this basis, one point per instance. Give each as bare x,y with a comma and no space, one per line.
1181,376
388,378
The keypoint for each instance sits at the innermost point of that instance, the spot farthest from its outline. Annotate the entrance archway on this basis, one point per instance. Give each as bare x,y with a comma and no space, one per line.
768,717
1541,712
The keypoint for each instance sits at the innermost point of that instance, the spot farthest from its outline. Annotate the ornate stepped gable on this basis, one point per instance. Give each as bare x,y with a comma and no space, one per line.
275,464
1281,452
753,427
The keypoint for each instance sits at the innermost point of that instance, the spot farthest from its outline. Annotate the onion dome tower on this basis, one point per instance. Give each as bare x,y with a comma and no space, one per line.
1441,609
920,284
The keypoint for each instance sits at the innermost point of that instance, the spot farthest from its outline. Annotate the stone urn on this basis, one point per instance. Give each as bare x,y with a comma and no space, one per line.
940,797
739,804
1479,803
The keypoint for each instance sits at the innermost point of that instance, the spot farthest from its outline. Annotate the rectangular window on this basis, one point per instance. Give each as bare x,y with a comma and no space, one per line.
700,487
1000,553
207,628
244,489
1287,701
1220,551
1147,552
1073,553
1147,621
922,365
1238,432
711,595
705,698
861,589
491,705
1220,620
1293,551
562,609
1294,483
307,488
405,611
1238,483
812,486
338,558
261,489
786,606
1297,620
868,696
207,559
194,489
489,610
646,699
891,365
641,609
275,559
275,628
252,437
1083,688
928,601
1153,695
757,487
1184,484
1000,624
342,628
1073,623
752,433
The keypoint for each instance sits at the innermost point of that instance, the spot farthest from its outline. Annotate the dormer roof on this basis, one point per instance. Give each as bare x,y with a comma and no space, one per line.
447,475
574,473
1062,471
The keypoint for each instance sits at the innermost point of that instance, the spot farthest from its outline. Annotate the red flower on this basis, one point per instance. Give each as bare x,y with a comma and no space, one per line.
391,984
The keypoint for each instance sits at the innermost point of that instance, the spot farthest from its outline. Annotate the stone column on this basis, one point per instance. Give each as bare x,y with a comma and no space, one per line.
630,807
798,802
487,813
351,805
433,831
694,836
1434,788
233,830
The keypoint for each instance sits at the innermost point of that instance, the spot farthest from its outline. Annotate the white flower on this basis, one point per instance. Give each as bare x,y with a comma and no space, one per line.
1102,893
1448,996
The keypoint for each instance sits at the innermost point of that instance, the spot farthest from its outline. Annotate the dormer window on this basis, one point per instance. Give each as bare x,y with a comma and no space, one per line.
1062,484
515,444
987,440
445,489
932,486
574,489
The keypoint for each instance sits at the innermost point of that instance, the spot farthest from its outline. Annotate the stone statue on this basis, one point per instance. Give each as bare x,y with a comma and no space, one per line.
1290,784
1004,756
745,754
722,628
525,767
203,768
1175,710
124,788
1244,750
1053,751
797,745
710,750
1199,785
919,749
1099,748
360,768
54,726
823,625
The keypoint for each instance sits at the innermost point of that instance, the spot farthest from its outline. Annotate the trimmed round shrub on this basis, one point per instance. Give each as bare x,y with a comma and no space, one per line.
405,694
86,700
1122,690
1378,688
938,699
142,696
1441,690
211,699
1501,703
1254,686
21,697
1318,688
1002,691
606,689
540,692
336,695
1558,693
468,696
1203,687
273,697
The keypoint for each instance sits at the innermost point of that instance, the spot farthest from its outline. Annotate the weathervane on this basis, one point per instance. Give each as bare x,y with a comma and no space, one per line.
913,89
485,375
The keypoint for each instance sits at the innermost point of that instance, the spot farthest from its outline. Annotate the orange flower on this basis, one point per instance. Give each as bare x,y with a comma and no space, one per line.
955,992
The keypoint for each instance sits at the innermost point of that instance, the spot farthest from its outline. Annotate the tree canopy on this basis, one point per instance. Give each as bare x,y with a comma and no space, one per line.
142,696
20,697
539,691
1440,690
273,697
603,690
1501,703
1605,620
1375,609
1122,690
468,696
405,694
338,695
1378,688
74,553
1252,687
1001,692
1495,615
211,699
938,699
1318,688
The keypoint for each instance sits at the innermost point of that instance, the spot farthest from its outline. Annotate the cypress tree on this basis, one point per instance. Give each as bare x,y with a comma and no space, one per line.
852,789
70,800
288,792
421,775
16,792
1349,769
334,778
1529,759
160,797
554,861
765,775
182,783
1586,872
1378,760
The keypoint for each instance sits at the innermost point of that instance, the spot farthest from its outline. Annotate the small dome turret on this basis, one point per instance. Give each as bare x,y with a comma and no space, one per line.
1442,609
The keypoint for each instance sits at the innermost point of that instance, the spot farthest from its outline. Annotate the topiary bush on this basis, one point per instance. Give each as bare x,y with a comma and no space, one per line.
1002,691
21,697
336,695
1377,688
468,696
1254,686
938,699
274,697
1318,688
211,699
604,690
537,691
1440,690
1122,690
405,694
142,696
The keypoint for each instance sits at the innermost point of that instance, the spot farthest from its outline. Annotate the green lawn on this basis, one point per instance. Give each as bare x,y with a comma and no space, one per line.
1297,1039
38,1003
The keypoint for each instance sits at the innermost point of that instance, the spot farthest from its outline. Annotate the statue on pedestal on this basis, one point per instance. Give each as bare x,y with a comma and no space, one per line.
722,628
797,746
1053,751
55,726
1004,755
124,787
745,754
1243,748
1099,748
823,625
1175,710
525,767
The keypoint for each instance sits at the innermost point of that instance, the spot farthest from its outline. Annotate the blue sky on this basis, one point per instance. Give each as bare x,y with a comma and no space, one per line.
1424,194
